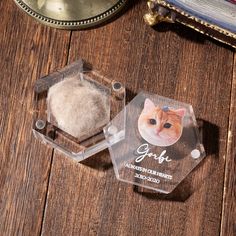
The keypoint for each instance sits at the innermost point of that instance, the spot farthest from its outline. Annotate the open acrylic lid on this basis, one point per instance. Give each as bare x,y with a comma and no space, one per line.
161,145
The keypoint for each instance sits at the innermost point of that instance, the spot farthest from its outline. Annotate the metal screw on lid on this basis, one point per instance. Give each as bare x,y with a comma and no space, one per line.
112,130
40,124
116,86
195,154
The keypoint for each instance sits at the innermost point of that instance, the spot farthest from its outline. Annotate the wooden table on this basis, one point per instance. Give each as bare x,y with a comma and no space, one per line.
44,192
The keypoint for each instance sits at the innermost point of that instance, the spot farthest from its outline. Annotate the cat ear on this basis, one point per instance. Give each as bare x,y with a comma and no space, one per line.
148,105
180,112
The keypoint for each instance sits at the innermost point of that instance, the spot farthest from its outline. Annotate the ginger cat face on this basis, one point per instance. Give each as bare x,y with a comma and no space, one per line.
160,126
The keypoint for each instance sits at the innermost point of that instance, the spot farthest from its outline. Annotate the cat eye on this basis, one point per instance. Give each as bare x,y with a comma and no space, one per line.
167,125
152,121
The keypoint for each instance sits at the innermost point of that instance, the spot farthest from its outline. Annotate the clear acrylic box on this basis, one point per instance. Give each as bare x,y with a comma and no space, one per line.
153,141
73,105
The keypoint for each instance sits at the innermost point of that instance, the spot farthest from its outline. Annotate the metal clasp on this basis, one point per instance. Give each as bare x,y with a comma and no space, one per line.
158,14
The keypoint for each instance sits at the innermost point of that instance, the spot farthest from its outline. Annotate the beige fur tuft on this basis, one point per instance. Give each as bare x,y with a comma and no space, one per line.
78,106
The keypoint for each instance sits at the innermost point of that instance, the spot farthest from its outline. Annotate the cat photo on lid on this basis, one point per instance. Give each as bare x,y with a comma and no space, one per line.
160,126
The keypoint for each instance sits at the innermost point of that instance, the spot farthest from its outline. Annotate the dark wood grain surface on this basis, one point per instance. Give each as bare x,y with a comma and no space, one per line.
44,193
228,226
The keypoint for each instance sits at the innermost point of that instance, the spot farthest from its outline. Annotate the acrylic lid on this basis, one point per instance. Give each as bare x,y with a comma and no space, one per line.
160,144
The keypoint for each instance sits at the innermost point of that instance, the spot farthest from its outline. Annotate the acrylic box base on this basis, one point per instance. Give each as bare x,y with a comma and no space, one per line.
73,106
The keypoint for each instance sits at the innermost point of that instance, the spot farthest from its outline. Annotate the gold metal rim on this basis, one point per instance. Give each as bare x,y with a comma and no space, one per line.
73,24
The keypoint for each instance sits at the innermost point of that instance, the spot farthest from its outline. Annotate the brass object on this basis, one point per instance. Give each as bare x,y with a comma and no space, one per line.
158,14
71,14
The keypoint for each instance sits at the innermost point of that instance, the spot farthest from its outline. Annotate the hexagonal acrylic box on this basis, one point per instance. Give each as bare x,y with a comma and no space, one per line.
73,105
161,144
153,141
